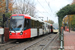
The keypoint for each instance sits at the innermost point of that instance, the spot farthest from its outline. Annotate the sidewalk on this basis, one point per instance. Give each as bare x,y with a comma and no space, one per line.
69,40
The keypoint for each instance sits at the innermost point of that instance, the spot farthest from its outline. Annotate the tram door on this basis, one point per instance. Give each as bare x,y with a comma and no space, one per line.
43,27
51,29
38,24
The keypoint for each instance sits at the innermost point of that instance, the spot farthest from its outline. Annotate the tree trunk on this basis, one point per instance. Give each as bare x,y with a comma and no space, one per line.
60,24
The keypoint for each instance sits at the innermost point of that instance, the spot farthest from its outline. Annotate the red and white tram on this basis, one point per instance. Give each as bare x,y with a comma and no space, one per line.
23,26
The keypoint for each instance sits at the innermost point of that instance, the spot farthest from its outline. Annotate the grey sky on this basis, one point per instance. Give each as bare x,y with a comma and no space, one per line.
50,12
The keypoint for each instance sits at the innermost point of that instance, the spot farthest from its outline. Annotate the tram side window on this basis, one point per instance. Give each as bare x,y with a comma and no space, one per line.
41,25
33,24
38,24
26,24
48,27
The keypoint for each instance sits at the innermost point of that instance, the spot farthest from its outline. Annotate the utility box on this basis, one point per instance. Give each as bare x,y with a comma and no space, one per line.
6,34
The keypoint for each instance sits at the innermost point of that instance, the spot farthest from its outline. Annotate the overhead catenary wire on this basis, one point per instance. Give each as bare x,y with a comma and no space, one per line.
43,7
49,6
37,10
42,13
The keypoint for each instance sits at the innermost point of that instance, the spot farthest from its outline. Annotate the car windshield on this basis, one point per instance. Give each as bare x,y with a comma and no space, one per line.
16,23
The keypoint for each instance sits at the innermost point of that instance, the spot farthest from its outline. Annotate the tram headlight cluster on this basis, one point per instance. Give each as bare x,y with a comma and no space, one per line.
21,33
10,33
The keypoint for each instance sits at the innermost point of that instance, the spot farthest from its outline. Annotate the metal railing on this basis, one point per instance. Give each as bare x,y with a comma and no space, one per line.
62,40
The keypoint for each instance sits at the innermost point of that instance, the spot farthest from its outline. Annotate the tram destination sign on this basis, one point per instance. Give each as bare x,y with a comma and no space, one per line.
17,17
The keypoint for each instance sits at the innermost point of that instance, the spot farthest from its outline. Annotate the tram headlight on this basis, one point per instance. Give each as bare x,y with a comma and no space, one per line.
21,33
10,33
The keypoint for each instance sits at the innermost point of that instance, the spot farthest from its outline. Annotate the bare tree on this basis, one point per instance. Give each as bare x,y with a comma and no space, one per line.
50,21
24,7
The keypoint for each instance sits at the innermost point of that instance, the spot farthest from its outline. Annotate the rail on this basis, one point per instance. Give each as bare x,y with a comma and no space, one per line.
37,42
41,40
48,43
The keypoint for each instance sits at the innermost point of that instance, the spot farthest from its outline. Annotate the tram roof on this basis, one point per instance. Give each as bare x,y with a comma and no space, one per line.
36,19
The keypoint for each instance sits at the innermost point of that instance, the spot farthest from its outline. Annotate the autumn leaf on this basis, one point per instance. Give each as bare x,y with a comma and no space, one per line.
3,6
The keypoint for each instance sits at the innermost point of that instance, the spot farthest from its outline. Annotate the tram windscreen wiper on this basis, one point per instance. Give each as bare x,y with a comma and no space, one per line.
16,22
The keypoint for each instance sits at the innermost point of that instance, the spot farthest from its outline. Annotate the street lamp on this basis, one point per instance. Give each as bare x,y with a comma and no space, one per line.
7,2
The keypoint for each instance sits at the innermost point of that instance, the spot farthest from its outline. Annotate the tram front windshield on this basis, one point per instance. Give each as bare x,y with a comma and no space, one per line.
16,23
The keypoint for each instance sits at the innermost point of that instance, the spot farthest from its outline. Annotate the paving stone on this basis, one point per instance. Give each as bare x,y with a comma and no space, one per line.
69,40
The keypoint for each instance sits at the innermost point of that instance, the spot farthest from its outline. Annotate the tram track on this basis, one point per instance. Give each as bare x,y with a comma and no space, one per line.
27,44
48,43
10,44
7,43
35,43
44,44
